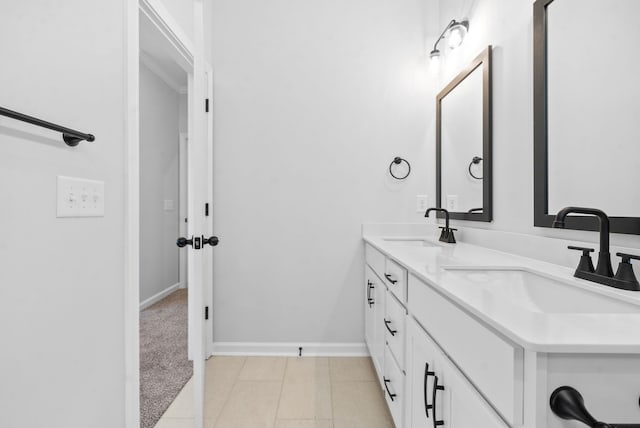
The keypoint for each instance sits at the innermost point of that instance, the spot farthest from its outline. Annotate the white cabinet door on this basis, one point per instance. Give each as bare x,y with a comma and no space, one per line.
439,394
466,407
421,367
369,309
373,318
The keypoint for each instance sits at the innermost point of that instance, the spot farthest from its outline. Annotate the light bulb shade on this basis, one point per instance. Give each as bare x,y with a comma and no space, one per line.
434,55
457,31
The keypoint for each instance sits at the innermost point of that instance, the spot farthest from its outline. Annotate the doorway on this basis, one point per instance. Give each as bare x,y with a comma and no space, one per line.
154,38
164,364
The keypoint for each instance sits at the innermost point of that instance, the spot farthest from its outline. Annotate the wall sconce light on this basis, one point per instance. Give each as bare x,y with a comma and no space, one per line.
455,30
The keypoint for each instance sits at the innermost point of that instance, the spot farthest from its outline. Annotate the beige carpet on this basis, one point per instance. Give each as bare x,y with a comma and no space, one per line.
164,367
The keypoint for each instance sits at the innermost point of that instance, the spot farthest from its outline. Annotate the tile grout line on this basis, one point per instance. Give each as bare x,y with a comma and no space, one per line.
333,412
333,416
226,400
284,374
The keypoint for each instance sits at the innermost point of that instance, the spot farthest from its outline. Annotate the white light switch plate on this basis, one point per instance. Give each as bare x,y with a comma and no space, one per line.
452,203
168,205
422,203
78,197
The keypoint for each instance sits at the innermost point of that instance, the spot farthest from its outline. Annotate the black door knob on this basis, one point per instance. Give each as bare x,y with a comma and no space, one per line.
213,241
182,242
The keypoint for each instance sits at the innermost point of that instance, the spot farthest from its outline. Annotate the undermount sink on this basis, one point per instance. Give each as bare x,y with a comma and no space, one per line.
410,242
538,293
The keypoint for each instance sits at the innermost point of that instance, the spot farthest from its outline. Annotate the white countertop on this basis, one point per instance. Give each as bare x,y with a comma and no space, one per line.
535,331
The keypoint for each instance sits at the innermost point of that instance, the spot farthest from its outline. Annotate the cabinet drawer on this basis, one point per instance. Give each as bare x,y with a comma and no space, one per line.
395,319
396,278
492,364
375,259
394,388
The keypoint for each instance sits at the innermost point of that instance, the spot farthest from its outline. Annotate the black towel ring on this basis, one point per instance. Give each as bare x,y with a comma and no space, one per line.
398,161
476,160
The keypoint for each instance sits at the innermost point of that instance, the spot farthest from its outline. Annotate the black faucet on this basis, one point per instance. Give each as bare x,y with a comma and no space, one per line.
447,232
603,273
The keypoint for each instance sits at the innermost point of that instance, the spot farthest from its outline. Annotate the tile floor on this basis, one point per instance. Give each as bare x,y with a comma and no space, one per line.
279,392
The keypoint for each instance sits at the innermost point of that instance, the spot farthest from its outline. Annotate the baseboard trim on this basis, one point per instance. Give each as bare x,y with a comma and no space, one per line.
159,296
290,349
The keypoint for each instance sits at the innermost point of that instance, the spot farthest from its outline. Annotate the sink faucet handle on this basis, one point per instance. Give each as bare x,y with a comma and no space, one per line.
626,258
585,250
586,264
625,269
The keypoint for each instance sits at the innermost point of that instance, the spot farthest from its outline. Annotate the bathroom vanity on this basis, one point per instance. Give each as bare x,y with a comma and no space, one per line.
466,336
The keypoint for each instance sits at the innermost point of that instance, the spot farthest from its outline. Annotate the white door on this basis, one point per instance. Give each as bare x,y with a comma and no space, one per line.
199,242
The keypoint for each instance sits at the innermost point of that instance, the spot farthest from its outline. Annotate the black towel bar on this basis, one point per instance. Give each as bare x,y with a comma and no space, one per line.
70,136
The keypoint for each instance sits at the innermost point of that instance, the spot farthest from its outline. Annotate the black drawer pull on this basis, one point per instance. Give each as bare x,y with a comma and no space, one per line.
427,373
370,287
386,381
436,388
390,279
386,324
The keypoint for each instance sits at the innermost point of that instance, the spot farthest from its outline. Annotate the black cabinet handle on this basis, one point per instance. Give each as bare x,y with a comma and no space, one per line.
390,279
386,381
386,324
436,388
427,373
370,287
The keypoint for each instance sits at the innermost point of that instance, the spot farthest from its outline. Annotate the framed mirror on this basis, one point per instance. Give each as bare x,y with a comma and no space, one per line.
586,111
463,143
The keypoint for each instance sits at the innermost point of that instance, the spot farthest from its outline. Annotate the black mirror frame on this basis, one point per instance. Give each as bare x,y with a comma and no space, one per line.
541,216
483,60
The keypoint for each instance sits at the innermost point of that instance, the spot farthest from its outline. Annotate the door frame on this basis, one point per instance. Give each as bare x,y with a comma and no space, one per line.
187,55
182,205
208,290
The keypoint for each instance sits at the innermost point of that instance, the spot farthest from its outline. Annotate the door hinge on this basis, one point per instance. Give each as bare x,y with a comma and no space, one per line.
206,312
206,105
206,209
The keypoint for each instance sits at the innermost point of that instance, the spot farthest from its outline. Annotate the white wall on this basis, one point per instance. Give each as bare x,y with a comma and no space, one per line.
61,293
312,101
507,25
159,181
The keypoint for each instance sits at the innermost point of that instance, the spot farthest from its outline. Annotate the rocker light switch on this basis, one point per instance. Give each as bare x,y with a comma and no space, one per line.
452,203
422,203
78,197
